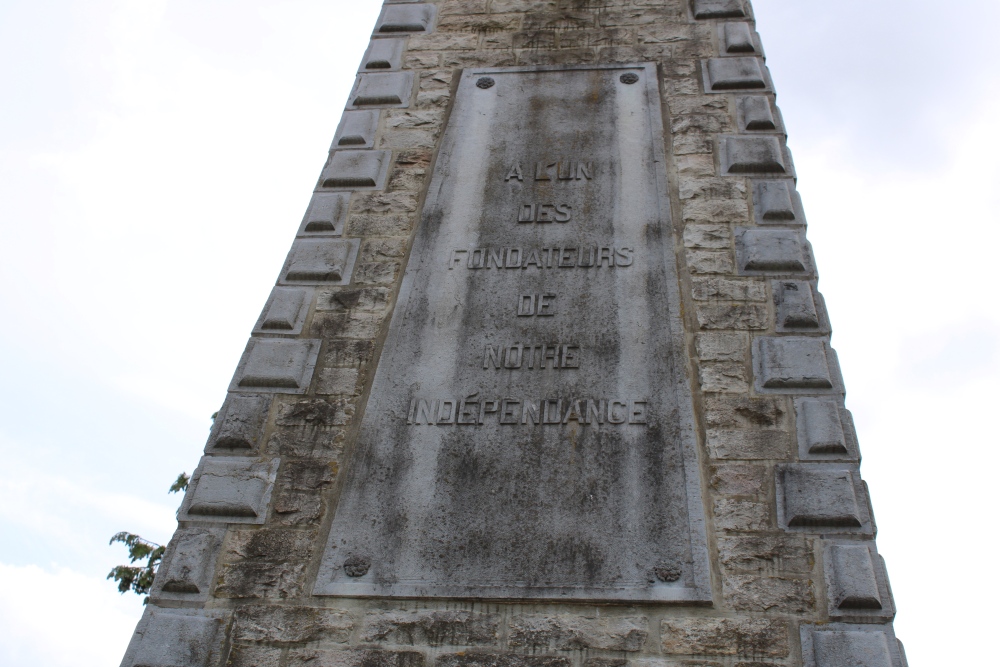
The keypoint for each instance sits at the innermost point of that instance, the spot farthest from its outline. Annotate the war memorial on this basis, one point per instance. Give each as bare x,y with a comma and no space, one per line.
545,379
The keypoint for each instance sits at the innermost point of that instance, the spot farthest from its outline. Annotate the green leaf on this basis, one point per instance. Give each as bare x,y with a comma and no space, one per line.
181,483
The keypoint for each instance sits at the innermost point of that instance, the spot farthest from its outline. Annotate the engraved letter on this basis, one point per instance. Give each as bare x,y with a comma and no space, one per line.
491,357
624,256
512,356
455,259
637,412
567,258
467,411
545,305
591,256
606,254
425,412
495,257
526,213
615,418
508,411
595,410
473,263
573,413
545,212
563,212
531,410
514,172
526,305
532,258
511,254
569,358
584,170
452,412
553,415
487,406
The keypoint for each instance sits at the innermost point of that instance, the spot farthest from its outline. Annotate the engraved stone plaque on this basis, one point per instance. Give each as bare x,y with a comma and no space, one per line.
529,431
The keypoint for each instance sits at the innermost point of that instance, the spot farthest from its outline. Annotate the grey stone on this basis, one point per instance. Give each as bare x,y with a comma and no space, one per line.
726,289
356,130
754,113
758,637
752,155
738,73
384,54
240,422
820,497
753,592
231,489
268,563
857,585
276,365
284,313
326,214
177,638
356,170
788,364
820,429
718,9
771,251
519,150
290,625
188,564
722,346
844,645
795,306
777,202
573,633
320,261
382,89
355,658
737,38
405,18
435,628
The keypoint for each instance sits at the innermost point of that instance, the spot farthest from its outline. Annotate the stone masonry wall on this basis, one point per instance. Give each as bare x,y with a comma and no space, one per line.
795,574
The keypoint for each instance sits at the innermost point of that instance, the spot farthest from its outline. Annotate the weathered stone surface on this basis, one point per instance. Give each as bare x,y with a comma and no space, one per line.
433,628
416,17
722,74
712,188
715,210
177,638
240,422
300,485
500,660
738,479
738,38
725,636
857,586
771,251
242,655
743,411
788,364
188,564
796,308
840,644
231,489
723,378
327,212
268,563
355,658
353,299
567,633
821,496
290,625
384,89
749,444
751,592
278,366
709,261
284,313
820,428
723,346
383,54
724,289
357,128
766,553
707,236
718,9
755,113
739,316
741,515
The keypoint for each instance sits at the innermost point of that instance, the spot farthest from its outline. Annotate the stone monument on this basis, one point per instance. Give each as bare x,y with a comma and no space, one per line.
545,380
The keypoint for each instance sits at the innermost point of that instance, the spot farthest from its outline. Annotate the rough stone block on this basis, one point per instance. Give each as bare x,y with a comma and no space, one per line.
382,89
857,586
777,202
842,645
299,499
737,479
754,113
177,638
231,489
745,412
567,633
741,515
737,37
820,429
355,658
766,553
242,655
718,9
188,564
790,364
240,422
383,54
748,444
752,155
433,628
722,346
405,18
751,592
356,170
795,306
771,251
707,236
269,563
276,365
725,289
356,130
710,261
725,636
500,660
741,316
284,313
326,214
321,261
821,497
737,73
728,378
287,625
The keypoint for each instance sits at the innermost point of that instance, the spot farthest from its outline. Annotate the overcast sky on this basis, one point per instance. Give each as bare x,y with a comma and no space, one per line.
155,160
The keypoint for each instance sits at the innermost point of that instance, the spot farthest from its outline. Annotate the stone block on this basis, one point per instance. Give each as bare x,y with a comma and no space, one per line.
753,155
188,564
753,112
500,660
748,444
575,633
715,210
351,299
707,236
384,54
718,9
825,430
433,628
284,312
745,412
177,638
857,585
794,364
737,479
777,202
795,307
299,499
382,89
741,515
723,378
231,489
416,17
710,261
269,563
752,592
356,170
722,346
726,289
766,553
290,625
821,497
756,637
356,130
320,261
735,73
276,365
740,316
355,658
843,645
240,422
242,655
737,37
326,214
771,251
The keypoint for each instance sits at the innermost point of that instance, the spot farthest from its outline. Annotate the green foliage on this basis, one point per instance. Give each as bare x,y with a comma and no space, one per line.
139,578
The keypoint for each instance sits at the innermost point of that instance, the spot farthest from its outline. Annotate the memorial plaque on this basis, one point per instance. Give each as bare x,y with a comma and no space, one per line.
529,431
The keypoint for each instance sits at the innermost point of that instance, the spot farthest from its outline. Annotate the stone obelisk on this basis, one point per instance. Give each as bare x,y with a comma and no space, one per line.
545,379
